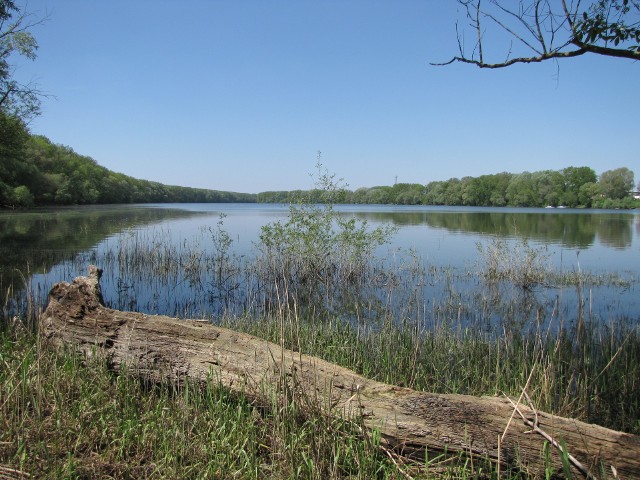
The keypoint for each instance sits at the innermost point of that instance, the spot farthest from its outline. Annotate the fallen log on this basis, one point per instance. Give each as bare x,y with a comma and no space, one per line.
410,422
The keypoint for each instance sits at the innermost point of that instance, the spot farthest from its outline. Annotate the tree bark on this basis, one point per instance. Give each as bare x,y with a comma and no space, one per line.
410,422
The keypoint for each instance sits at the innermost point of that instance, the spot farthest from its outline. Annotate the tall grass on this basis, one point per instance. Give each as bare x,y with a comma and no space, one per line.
62,418
66,417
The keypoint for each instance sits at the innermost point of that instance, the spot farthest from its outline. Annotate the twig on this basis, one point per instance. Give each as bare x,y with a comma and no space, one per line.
392,457
7,473
536,428
524,389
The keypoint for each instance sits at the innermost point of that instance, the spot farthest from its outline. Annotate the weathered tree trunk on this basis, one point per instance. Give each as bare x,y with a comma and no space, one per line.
410,422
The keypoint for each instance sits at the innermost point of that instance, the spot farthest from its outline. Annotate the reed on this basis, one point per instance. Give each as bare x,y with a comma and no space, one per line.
63,418
66,418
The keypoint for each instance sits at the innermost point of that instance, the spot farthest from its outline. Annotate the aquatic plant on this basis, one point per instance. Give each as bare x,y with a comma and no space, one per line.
318,255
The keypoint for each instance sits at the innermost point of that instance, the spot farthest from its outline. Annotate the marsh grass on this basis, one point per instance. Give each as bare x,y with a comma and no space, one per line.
590,372
64,418
528,266
314,286
67,417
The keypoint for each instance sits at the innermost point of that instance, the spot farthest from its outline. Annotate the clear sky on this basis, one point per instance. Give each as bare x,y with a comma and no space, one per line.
240,95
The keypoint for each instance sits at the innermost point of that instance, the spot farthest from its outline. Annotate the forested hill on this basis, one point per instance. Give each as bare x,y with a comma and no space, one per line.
34,171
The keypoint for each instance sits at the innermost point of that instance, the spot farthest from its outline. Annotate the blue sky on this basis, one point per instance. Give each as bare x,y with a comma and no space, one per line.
240,95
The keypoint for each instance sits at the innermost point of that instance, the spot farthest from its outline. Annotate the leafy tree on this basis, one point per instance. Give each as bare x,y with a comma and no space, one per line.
22,197
521,191
55,174
541,30
16,99
452,194
407,193
13,135
499,185
588,193
550,188
616,184
378,195
435,193
576,177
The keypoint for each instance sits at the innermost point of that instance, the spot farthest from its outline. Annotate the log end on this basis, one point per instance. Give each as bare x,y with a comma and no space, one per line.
83,291
69,302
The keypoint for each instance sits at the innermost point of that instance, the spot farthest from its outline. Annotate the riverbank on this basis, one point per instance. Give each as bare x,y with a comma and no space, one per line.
63,417
313,285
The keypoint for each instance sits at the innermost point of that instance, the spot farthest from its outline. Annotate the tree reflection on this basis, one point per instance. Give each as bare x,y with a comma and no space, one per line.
572,230
33,241
615,232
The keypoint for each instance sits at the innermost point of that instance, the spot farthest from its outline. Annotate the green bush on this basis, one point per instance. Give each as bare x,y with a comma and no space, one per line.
317,252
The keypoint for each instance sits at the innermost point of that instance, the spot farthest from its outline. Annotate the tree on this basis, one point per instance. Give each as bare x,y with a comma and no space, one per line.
588,192
13,135
521,191
17,99
539,30
574,179
616,184
22,196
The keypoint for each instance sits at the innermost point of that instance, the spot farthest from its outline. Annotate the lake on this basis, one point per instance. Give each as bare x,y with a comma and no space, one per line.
442,250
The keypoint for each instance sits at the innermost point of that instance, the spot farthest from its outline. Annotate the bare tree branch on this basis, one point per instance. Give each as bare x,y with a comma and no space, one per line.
551,29
513,61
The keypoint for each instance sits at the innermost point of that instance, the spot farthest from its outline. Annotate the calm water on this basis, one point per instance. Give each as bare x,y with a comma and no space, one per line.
42,247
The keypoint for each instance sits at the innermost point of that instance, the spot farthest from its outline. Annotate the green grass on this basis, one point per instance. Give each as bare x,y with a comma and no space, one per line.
590,371
63,418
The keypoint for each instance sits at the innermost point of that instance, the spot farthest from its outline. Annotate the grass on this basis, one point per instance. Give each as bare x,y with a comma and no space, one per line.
590,372
65,418
61,417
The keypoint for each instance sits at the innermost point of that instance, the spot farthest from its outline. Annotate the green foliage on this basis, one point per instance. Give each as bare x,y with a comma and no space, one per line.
16,99
610,22
55,174
616,184
66,418
13,135
569,187
587,193
317,250
22,196
548,30
622,203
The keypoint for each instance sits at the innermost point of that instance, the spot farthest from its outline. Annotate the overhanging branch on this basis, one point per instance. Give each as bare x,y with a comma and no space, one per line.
536,59
607,51
546,32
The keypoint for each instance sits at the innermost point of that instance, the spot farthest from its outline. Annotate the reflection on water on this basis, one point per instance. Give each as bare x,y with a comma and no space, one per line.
571,228
36,240
615,232
59,243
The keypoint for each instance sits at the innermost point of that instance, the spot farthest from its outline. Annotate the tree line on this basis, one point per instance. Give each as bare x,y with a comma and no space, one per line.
34,171
570,187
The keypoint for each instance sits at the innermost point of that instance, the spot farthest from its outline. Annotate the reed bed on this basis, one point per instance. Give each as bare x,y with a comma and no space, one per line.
64,418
